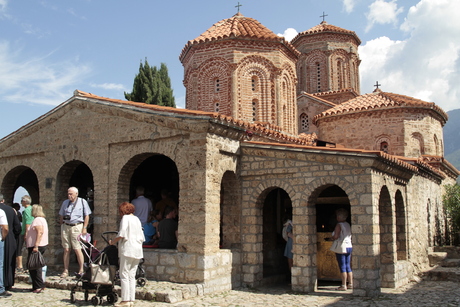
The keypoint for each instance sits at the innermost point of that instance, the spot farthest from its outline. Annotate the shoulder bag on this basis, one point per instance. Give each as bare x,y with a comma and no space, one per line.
35,261
338,246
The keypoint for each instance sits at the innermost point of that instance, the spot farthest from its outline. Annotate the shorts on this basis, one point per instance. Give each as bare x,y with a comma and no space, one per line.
20,245
69,235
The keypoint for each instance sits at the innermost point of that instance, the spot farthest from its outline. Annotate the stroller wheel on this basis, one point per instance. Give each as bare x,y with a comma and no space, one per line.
95,300
72,296
141,282
112,298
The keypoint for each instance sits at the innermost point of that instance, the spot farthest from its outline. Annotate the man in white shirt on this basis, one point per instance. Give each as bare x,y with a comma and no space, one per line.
143,205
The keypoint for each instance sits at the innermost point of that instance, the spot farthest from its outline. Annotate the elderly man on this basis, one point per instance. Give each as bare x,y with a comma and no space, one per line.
74,218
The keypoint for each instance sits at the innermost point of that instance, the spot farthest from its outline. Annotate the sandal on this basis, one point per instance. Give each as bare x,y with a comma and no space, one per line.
64,274
342,288
350,286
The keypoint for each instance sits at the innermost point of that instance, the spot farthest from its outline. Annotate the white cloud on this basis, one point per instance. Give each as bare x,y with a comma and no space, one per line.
349,5
110,86
427,64
381,12
289,34
37,80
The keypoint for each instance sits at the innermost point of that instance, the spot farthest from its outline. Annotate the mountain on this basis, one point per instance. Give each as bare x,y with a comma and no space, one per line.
452,138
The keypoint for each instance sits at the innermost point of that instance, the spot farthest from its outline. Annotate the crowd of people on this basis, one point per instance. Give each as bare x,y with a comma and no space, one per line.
141,224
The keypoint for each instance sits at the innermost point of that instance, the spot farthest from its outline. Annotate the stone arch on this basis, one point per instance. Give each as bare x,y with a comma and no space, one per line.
73,174
401,222
327,199
387,260
419,143
340,69
152,171
230,211
20,176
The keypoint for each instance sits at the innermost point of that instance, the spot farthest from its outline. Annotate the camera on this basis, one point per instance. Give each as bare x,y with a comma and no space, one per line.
66,218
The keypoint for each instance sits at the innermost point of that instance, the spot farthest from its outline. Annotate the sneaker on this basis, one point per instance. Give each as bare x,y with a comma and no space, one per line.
5,294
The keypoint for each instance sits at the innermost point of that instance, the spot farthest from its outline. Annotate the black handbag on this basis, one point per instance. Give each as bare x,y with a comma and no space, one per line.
36,261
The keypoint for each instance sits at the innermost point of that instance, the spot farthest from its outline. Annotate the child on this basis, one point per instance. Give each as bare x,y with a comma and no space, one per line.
151,228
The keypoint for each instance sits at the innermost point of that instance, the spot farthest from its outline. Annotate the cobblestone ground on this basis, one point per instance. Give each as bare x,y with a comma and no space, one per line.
425,293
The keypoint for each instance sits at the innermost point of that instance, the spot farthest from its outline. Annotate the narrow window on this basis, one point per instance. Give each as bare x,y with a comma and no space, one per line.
254,110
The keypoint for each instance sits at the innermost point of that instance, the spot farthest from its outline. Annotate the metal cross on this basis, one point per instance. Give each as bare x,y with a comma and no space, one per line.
377,84
323,16
238,6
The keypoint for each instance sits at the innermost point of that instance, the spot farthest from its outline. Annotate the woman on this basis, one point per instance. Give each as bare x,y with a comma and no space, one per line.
130,251
36,242
343,230
288,248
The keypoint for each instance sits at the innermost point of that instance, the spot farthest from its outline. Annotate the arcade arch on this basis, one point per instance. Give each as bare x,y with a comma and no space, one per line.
21,176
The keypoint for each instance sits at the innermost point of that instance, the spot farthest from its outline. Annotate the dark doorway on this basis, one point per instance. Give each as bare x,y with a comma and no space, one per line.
155,173
277,206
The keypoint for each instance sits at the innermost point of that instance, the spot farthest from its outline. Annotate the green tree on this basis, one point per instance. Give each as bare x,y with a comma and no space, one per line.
152,86
451,202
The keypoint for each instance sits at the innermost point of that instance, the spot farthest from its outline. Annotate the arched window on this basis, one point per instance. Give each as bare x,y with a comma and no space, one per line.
216,107
254,84
384,147
318,80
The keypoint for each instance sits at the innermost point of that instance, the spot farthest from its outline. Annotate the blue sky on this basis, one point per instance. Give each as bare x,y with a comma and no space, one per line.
50,48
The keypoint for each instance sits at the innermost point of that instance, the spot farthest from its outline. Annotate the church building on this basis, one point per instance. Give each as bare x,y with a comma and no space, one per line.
271,129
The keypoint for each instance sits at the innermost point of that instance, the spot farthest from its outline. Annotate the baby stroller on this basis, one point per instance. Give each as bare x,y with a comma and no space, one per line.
108,256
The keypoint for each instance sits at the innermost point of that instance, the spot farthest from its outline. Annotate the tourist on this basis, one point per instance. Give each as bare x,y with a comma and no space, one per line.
9,258
287,228
74,218
167,229
3,234
151,228
130,252
343,230
166,201
36,242
27,219
143,205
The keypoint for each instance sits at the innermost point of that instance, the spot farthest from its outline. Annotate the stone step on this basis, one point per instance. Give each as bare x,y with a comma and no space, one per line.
449,263
442,274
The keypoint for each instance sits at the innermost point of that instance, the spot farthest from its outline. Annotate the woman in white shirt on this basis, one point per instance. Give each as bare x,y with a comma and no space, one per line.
131,237
343,230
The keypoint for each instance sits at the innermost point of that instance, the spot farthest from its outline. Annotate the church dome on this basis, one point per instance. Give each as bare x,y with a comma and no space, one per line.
325,28
379,100
237,26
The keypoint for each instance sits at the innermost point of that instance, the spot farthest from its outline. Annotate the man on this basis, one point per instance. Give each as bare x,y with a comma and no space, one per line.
167,230
74,218
3,234
10,246
143,206
165,201
27,219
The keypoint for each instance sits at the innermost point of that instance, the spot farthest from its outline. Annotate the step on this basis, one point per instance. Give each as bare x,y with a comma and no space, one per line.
442,274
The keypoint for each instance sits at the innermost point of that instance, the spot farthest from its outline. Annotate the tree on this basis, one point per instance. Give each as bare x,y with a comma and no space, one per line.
152,86
451,201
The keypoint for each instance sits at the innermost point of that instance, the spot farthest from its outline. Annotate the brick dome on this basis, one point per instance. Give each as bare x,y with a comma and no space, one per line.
325,28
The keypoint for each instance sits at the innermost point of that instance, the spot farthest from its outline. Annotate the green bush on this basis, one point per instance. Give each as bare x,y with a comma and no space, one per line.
451,202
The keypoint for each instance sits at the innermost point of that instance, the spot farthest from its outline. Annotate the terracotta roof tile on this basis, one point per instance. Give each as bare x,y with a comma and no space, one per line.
379,100
237,26
324,27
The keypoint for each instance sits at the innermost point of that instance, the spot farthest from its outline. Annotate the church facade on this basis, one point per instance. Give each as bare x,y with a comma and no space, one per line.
270,129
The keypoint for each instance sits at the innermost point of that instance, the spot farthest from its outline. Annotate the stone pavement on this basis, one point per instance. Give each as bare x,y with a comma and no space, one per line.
421,294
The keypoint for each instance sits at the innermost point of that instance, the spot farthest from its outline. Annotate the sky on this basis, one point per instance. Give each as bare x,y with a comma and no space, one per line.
49,48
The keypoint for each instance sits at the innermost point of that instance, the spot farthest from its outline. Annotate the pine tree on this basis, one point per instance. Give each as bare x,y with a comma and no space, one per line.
152,86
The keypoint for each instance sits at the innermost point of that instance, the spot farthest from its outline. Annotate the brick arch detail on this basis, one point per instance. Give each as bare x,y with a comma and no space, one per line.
265,71
206,95
312,58
261,191
312,190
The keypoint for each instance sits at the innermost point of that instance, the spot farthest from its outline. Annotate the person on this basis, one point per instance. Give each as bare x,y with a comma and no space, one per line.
4,229
9,260
27,219
165,201
130,251
74,218
288,248
343,230
36,242
143,205
19,239
167,230
151,228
